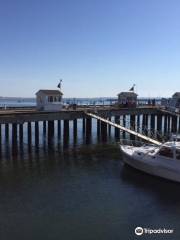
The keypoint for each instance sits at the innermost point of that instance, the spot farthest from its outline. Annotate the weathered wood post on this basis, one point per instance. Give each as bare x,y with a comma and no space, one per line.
144,123
147,121
59,128
14,133
98,129
37,134
165,123
44,128
152,123
21,133
88,129
104,131
7,131
132,125
84,125
29,135
174,124
21,138
159,122
159,126
66,134
50,129
14,138
117,131
124,125
75,130
169,123
138,123
132,121
109,127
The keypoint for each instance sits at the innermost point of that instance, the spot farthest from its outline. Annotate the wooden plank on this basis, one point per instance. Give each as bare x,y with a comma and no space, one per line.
125,129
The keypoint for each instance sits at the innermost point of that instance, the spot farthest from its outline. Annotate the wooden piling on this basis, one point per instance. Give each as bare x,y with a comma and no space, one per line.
132,125
165,123
66,128
21,133
169,123
159,123
29,135
44,127
98,129
104,131
14,139
124,124
138,123
174,124
59,128
14,132
84,125
50,129
132,122
145,124
7,131
88,130
66,134
88,126
75,129
152,124
36,134
117,132
109,128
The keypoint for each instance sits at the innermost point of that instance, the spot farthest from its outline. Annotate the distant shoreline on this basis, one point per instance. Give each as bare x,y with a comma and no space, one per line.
80,98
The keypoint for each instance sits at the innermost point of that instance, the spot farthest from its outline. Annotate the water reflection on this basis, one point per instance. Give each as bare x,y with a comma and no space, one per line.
166,191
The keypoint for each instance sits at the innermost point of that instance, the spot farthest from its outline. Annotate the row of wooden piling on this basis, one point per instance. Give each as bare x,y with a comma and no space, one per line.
170,124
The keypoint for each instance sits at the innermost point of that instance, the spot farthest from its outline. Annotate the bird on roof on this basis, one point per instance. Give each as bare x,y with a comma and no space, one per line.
132,88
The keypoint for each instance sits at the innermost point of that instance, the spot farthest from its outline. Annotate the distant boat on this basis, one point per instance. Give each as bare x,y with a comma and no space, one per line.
162,161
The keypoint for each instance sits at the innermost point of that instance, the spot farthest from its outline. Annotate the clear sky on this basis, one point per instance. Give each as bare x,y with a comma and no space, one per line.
98,47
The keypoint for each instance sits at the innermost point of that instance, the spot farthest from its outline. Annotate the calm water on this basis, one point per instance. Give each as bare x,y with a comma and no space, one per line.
81,192
28,102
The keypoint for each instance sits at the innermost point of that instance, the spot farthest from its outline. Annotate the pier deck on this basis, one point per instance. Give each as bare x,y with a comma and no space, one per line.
33,115
17,124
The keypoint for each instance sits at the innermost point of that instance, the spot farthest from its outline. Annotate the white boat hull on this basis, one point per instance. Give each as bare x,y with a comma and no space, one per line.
153,166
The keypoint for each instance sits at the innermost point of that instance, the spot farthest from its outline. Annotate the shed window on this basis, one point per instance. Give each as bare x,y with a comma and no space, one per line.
166,152
50,99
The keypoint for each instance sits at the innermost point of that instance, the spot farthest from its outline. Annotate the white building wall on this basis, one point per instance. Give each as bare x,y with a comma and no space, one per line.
53,107
43,104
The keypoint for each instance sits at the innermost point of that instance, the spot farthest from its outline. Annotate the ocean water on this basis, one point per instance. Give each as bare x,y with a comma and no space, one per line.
31,102
80,190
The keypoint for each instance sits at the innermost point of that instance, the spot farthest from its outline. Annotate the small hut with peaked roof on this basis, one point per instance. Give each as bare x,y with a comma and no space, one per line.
127,99
49,100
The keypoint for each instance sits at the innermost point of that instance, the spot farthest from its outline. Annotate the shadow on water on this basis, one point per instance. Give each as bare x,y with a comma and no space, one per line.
167,192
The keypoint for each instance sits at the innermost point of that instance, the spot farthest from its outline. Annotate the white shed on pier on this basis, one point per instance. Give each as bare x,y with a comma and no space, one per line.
49,100
127,99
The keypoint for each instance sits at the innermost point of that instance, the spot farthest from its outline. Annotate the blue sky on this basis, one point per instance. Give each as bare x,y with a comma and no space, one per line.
98,47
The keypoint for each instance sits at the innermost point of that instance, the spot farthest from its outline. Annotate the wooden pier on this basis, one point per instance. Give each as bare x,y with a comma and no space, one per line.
28,125
139,135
